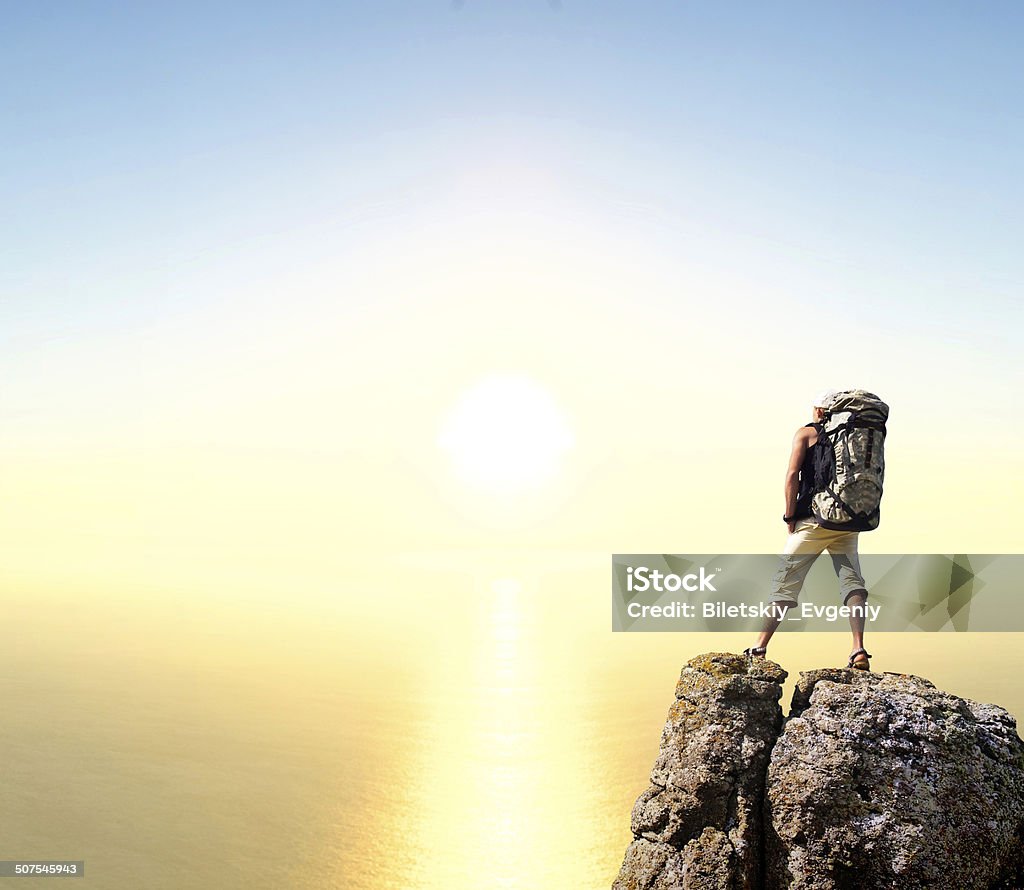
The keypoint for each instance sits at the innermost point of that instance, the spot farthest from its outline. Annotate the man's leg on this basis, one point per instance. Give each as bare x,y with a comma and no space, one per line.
846,561
802,548
857,598
771,624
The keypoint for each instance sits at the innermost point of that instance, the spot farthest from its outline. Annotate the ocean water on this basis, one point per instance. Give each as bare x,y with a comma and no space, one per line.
488,732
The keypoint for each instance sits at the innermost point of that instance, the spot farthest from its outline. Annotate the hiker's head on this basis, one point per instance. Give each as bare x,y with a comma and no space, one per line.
821,402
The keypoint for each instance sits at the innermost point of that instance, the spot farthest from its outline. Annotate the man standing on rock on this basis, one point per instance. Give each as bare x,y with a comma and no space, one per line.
807,539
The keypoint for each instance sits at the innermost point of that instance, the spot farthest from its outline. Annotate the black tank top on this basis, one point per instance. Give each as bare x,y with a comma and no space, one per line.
806,491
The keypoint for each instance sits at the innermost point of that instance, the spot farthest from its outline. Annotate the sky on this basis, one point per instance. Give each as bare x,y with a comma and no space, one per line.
877,138
264,254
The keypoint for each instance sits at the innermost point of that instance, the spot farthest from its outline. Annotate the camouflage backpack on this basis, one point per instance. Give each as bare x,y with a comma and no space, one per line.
850,467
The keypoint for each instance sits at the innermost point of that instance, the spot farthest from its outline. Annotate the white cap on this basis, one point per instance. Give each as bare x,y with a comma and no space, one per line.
823,398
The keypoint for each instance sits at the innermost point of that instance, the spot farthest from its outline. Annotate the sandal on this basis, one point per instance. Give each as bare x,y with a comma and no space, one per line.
760,651
859,660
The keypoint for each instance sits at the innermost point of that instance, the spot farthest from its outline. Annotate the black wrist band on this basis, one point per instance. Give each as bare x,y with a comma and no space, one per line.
788,518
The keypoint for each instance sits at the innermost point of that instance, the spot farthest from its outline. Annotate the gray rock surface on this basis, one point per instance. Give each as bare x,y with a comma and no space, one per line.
882,780
698,826
874,780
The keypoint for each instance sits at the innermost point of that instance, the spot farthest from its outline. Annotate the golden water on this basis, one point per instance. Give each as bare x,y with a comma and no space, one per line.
472,731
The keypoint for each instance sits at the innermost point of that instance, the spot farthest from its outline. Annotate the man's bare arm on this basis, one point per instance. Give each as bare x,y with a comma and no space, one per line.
796,460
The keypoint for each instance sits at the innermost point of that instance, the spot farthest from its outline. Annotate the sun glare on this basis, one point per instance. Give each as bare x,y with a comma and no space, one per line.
505,433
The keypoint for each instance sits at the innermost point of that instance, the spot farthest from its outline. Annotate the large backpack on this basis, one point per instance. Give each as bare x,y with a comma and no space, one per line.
849,468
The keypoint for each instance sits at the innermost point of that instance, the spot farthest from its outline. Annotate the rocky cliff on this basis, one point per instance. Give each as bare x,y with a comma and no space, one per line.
872,781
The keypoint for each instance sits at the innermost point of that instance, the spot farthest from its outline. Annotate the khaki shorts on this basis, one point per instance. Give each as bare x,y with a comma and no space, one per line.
803,546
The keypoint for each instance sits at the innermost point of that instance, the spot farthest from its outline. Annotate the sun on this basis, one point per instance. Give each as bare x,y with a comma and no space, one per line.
505,433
